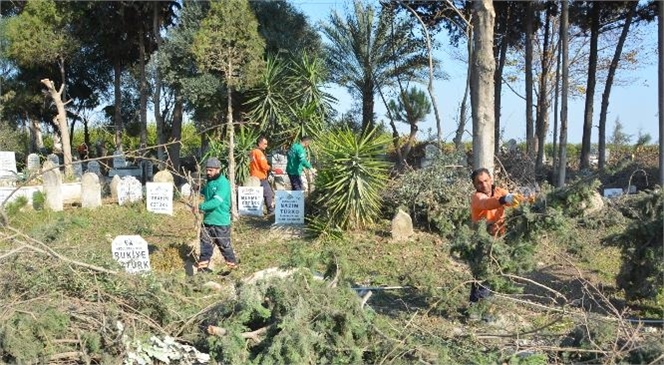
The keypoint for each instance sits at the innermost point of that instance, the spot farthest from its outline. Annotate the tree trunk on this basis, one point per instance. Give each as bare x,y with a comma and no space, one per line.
231,148
660,57
143,90
156,96
117,68
367,105
530,140
481,90
500,53
61,122
542,120
601,145
556,97
176,132
564,36
590,88
36,137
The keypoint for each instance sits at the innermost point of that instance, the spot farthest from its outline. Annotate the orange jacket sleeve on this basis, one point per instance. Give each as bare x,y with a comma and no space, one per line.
487,207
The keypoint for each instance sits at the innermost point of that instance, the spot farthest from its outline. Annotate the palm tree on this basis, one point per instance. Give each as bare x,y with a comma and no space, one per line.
411,108
367,51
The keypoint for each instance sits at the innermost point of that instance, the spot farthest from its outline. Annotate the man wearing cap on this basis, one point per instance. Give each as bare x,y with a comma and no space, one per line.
258,167
216,209
297,161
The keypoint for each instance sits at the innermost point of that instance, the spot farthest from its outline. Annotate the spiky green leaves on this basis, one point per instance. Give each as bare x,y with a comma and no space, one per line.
353,174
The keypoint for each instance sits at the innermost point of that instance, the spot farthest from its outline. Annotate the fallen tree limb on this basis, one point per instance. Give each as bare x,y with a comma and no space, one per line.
49,251
221,332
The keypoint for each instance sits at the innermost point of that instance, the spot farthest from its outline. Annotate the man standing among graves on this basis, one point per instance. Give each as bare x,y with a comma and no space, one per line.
297,161
217,217
258,167
488,203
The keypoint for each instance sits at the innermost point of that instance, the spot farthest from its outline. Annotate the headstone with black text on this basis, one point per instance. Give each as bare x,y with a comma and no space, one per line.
93,166
7,163
159,197
132,253
289,207
55,160
250,200
130,190
77,166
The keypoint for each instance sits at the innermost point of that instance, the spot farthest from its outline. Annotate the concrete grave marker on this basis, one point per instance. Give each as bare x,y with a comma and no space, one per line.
250,200
7,163
402,226
25,191
159,197
185,190
33,163
52,186
113,186
289,207
130,190
93,166
132,253
78,169
163,176
252,181
119,159
90,191
55,160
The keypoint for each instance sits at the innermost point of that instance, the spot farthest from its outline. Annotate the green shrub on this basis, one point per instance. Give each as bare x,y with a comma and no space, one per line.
348,185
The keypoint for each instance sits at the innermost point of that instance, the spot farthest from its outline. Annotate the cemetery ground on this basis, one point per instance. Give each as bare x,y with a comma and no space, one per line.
65,300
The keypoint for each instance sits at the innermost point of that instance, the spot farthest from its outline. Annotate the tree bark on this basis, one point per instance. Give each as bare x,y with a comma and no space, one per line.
601,145
176,132
61,121
530,140
368,105
143,90
156,96
590,88
481,90
542,120
564,49
36,137
231,147
500,53
660,57
117,68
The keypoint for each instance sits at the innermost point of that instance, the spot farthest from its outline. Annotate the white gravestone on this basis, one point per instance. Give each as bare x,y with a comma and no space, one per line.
130,190
159,197
613,192
185,190
52,186
7,163
279,162
90,191
250,200
33,163
25,191
132,253
289,207
118,159
93,166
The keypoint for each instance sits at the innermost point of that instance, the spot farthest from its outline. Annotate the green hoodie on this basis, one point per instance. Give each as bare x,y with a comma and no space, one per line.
297,160
217,204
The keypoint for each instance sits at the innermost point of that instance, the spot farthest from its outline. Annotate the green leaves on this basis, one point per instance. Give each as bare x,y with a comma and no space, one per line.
354,171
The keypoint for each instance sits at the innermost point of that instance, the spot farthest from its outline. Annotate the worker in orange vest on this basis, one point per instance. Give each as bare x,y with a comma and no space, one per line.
259,168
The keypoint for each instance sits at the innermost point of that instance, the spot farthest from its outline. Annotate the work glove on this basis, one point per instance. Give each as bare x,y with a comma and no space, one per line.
509,199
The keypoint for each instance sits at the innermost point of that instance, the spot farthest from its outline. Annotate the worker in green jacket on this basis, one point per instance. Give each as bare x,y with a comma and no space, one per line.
297,161
216,209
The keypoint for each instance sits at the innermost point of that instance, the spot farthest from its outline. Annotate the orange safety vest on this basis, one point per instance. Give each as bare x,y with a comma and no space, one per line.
258,165
489,208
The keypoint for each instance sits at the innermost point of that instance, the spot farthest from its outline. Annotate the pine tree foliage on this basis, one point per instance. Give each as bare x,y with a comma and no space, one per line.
307,322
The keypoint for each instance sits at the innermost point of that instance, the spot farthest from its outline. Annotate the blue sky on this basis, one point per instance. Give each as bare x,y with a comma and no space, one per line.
634,104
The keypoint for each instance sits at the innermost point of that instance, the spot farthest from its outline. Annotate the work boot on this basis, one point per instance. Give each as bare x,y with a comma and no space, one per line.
230,266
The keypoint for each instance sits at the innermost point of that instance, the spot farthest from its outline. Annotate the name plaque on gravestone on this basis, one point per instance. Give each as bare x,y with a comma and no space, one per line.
118,159
93,166
159,197
33,163
250,200
7,163
132,253
289,207
613,192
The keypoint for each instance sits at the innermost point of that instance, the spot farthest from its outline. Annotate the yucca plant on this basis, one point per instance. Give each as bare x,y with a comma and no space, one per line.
353,171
